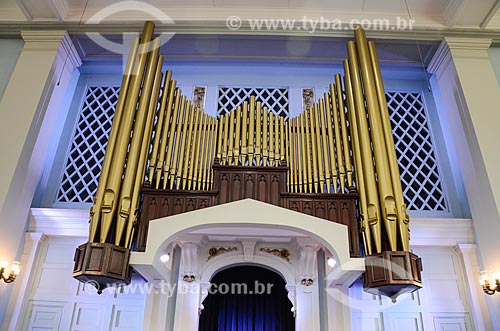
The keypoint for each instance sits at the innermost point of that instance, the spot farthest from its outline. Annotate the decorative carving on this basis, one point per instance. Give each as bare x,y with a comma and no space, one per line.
282,253
199,97
214,251
307,98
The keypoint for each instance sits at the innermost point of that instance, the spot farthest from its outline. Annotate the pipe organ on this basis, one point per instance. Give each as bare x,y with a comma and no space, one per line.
343,145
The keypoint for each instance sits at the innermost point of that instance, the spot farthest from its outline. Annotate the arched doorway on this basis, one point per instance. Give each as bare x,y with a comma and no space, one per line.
247,298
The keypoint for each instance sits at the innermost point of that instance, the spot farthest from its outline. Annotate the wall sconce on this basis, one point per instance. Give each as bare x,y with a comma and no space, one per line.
490,284
15,268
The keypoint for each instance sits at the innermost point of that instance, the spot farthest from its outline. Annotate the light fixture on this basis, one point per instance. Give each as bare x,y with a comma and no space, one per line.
9,272
331,262
490,284
165,257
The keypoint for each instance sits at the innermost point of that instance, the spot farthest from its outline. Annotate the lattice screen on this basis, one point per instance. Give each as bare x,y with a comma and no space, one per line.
276,99
86,154
422,185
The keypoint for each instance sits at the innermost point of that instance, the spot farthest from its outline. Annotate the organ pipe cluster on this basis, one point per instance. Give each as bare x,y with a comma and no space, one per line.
342,144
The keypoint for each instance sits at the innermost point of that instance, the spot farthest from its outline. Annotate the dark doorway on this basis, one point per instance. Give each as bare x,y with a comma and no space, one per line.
247,298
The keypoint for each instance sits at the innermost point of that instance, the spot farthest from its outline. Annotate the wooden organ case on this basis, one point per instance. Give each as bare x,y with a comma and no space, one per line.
335,161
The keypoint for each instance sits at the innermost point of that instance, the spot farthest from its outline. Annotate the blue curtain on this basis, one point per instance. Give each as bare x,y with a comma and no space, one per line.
264,306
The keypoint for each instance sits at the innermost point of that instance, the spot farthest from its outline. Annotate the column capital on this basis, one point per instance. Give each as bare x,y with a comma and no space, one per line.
456,47
58,40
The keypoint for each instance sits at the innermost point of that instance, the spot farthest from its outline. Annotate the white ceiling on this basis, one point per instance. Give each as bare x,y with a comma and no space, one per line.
442,14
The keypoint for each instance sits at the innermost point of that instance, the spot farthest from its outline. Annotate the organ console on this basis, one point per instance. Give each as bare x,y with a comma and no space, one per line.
341,146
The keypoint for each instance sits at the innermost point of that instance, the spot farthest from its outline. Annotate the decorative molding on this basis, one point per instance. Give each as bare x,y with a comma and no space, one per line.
453,10
59,222
281,253
248,249
61,8
216,251
440,60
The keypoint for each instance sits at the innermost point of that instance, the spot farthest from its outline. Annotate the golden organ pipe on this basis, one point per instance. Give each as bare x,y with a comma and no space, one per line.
244,139
290,164
251,131
356,149
307,150
403,217
159,127
165,133
338,139
190,142
264,137
329,100
258,121
282,139
316,148
276,140
136,193
196,140
237,129
206,145
231,138
226,137
296,152
177,140
373,213
113,136
198,154
271,139
305,154
125,201
188,118
214,142
343,128
171,138
341,124
388,204
220,134
113,184
325,143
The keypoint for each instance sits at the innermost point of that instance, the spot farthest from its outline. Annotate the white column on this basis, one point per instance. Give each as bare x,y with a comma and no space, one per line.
28,110
478,307
470,97
16,310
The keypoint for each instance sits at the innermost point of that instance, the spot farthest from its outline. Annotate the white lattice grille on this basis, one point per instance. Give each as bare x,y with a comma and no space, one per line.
422,185
85,157
275,99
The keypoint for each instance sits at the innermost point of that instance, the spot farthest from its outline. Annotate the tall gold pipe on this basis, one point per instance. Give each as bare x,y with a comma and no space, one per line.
343,128
282,138
276,140
310,159
244,139
258,134
199,155
388,207
324,137
196,142
299,154
230,150
329,100
159,127
271,138
124,209
338,139
189,142
165,132
173,126
356,150
373,212
403,218
225,145
214,140
204,155
114,180
182,122
251,132
188,118
145,144
237,142
113,136
291,166
316,147
220,135
265,137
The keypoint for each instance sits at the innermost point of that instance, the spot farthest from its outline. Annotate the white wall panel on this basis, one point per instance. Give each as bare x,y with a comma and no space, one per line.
45,316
